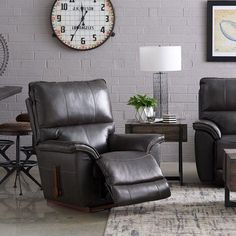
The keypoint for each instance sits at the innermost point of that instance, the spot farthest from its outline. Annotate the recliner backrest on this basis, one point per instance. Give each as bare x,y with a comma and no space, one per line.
217,103
71,111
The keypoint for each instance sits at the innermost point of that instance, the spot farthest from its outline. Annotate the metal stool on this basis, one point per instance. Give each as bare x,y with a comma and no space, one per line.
6,164
28,150
29,164
19,129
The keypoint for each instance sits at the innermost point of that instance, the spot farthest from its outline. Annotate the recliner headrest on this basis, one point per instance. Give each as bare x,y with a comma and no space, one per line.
217,94
70,103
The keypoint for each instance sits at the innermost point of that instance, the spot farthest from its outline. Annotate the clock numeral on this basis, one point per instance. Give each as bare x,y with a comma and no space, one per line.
72,0
94,37
63,29
94,1
72,37
83,41
64,6
103,29
103,7
58,18
107,19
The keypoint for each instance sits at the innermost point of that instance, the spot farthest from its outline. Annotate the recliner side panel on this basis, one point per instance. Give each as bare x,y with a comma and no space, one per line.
205,156
69,178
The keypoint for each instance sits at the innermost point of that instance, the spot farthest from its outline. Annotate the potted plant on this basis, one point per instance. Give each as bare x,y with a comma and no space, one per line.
144,106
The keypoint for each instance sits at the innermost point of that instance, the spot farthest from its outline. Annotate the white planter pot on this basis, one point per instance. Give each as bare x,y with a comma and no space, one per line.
143,113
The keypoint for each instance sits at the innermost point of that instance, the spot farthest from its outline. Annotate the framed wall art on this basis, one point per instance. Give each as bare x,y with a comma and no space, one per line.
221,31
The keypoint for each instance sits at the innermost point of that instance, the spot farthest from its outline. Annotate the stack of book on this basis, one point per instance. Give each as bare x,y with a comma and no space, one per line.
169,118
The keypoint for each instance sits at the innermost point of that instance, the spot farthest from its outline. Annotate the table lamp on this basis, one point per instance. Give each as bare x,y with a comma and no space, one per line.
160,59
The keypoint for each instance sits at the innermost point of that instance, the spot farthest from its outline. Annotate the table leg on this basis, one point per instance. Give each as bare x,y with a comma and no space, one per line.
17,159
18,166
181,156
4,155
9,172
228,202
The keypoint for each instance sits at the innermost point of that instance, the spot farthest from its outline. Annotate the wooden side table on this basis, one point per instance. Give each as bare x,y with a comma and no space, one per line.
229,170
173,132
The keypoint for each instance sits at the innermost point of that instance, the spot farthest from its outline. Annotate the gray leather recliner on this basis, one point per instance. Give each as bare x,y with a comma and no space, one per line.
216,129
82,162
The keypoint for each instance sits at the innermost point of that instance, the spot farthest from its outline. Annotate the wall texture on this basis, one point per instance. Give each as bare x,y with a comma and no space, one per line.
36,55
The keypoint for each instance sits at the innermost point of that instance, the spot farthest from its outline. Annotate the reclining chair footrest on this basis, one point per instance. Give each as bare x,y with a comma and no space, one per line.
136,180
137,193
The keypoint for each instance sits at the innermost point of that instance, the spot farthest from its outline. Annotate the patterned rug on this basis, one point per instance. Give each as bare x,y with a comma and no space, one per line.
189,211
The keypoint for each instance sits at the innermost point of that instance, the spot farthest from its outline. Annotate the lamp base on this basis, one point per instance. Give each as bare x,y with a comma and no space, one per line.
160,93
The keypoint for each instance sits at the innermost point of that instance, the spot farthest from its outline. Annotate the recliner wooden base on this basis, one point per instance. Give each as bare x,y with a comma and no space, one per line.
82,209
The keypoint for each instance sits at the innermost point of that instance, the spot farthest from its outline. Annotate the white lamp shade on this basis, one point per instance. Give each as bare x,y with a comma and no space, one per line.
160,58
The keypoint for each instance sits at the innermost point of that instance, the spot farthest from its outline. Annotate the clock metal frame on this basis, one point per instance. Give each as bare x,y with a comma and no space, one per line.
111,34
4,54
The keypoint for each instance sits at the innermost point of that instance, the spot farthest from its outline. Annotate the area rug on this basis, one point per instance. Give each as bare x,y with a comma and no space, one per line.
191,210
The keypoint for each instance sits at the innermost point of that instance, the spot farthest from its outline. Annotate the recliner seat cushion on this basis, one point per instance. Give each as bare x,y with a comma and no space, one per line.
95,135
133,177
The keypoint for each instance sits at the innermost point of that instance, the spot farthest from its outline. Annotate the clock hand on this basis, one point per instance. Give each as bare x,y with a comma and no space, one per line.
83,17
82,9
81,21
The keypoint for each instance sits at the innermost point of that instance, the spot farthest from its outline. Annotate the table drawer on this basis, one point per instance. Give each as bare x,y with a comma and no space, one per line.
171,133
232,180
233,167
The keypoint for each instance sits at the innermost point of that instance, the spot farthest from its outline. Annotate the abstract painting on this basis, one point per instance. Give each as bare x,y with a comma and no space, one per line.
221,31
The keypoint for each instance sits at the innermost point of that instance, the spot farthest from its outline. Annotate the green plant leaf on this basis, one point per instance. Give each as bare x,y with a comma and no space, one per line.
142,101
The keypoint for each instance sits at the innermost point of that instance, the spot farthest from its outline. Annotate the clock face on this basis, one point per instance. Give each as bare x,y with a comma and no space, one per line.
83,24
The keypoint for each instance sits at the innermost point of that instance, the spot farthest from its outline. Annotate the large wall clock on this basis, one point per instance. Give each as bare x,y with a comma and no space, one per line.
83,24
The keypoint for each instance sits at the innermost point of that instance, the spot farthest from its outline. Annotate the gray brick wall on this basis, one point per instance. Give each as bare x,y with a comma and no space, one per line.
36,55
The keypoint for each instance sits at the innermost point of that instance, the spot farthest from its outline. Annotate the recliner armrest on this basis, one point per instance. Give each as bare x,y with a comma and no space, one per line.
67,147
134,142
209,127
